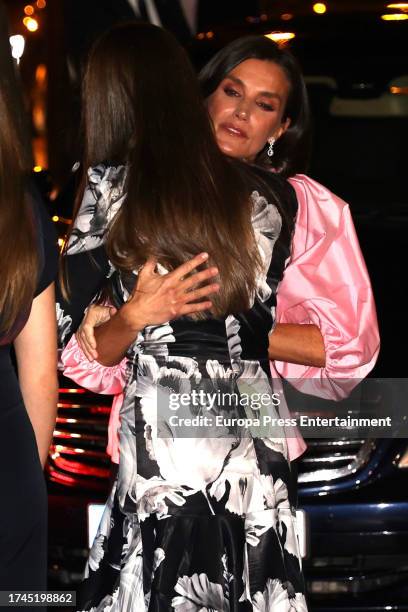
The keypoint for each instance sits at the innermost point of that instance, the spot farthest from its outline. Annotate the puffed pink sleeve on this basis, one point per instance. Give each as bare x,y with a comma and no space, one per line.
90,374
326,283
99,379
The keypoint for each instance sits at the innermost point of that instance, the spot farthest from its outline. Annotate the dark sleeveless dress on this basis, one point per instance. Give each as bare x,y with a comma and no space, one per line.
23,498
205,521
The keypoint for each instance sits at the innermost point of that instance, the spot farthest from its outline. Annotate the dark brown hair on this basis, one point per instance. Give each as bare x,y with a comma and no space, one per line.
143,107
18,245
292,150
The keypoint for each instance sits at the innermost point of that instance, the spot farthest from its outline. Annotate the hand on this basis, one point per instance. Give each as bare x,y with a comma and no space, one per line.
95,315
158,298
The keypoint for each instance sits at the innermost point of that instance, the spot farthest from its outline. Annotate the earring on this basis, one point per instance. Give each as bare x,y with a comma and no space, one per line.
271,142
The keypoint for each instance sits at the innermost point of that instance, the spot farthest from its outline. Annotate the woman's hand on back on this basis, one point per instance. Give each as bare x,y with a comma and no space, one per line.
163,297
158,298
95,315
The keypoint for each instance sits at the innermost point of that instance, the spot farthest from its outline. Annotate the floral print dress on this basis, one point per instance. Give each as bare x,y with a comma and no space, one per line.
198,518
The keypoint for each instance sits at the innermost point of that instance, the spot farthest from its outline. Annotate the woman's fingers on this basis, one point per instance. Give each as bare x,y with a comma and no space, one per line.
145,275
188,309
95,315
192,296
83,343
162,297
197,278
149,267
89,335
188,267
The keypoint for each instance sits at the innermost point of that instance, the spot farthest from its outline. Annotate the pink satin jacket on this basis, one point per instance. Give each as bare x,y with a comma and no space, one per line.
325,283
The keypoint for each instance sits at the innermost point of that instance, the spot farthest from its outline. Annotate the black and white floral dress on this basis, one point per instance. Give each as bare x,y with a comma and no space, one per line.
205,522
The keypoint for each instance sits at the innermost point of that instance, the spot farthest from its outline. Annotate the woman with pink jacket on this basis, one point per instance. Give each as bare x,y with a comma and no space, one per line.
326,338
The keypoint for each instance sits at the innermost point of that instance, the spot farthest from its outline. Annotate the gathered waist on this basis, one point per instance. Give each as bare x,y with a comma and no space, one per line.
204,340
201,354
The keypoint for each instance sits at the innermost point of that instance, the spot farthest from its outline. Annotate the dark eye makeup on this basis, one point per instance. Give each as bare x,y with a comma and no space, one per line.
265,106
231,92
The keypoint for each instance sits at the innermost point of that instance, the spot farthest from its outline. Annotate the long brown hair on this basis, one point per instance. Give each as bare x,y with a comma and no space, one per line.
18,245
143,107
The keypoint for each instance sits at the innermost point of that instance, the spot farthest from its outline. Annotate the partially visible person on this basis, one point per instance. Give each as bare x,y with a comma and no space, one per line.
326,334
28,404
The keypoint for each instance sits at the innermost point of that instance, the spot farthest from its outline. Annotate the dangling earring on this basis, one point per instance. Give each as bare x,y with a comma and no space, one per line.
271,142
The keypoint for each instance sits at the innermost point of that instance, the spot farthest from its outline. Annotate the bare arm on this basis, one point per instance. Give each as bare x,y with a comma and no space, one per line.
36,352
295,343
156,299
291,343
114,337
